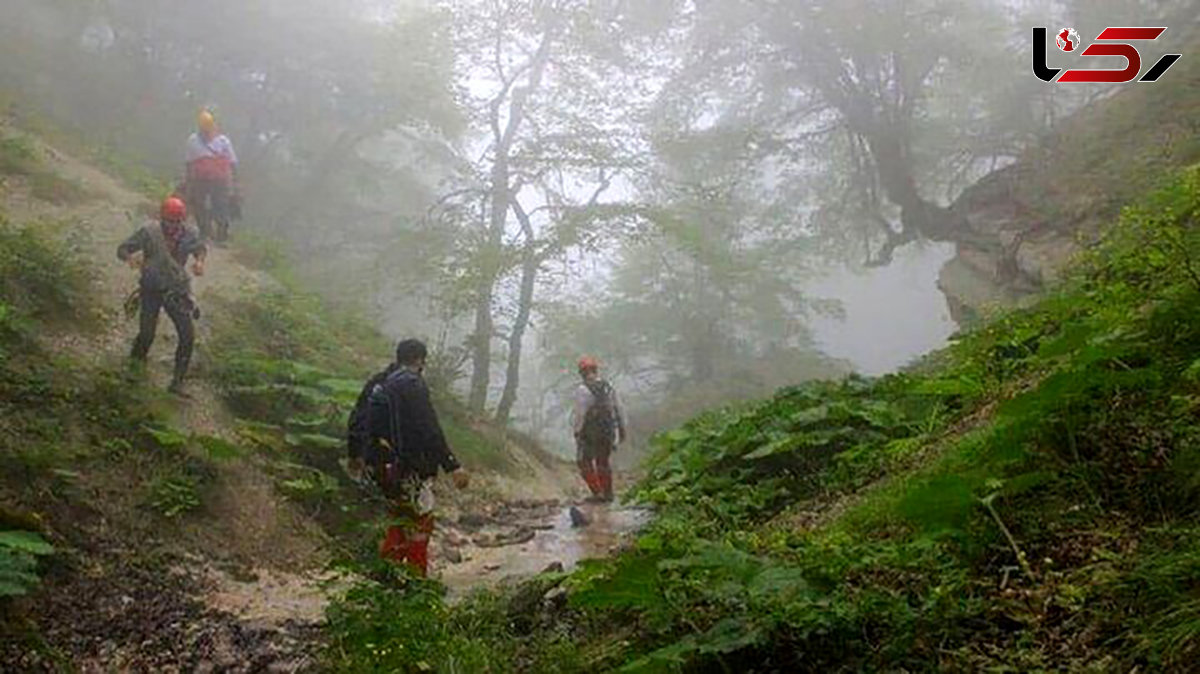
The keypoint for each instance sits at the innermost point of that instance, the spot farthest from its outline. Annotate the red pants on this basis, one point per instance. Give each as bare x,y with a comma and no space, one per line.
406,540
409,544
592,459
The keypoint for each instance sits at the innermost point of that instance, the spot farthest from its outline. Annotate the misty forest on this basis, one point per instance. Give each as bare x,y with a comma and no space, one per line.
598,336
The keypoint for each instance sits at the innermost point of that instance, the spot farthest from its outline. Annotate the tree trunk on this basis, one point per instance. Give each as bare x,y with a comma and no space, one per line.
512,379
501,197
481,351
530,265
481,358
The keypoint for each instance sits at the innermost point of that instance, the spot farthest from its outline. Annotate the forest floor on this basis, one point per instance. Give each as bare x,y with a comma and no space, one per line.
245,586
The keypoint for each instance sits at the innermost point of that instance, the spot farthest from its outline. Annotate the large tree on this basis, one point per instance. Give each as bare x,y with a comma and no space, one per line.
554,90
867,109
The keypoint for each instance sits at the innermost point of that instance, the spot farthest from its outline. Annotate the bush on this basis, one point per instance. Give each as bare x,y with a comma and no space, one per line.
40,277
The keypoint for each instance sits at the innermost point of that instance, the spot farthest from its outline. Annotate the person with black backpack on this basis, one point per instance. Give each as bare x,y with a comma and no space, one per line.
404,451
599,426
358,433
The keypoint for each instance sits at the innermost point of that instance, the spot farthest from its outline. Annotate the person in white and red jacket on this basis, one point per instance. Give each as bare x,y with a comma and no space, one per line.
211,183
598,423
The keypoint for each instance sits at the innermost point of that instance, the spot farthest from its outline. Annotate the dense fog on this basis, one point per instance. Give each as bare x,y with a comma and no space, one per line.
714,198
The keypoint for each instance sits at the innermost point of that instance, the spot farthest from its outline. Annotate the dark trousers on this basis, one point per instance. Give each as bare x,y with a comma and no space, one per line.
210,203
592,457
179,310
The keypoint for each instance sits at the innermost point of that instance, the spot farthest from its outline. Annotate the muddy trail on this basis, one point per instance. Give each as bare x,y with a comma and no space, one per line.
517,539
244,589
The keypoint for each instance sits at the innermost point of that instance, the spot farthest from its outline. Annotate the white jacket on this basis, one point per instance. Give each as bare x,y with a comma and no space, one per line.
583,400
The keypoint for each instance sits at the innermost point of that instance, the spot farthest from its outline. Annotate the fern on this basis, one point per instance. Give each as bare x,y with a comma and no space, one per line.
19,551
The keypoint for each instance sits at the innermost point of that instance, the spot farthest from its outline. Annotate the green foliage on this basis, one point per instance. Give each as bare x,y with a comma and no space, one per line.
309,486
19,551
174,496
288,362
183,467
795,441
40,276
397,623
1027,502
19,157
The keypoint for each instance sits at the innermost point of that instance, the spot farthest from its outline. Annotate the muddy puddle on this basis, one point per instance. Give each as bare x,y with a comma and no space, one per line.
521,540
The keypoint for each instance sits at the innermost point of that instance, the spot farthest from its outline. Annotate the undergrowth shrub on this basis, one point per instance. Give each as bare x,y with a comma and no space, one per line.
41,276
19,552
19,157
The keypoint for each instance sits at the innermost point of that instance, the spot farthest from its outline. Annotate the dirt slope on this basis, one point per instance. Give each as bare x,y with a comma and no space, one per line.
248,528
1063,191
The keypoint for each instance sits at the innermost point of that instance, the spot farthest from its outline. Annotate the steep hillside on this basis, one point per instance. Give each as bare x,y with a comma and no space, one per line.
185,533
1062,192
1025,501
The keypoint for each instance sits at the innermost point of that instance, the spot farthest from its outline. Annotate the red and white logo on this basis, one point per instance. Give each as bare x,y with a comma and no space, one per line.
1067,39
1111,42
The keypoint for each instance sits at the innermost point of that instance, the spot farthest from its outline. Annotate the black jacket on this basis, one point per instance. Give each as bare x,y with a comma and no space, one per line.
358,430
401,412
164,268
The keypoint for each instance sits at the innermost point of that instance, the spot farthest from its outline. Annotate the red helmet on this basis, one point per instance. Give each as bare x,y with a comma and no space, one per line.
588,364
173,210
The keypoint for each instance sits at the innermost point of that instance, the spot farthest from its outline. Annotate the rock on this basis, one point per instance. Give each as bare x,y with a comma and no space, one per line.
554,567
555,601
473,521
453,555
515,537
526,605
578,519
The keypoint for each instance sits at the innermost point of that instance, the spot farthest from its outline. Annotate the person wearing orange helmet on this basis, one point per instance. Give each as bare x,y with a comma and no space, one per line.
161,251
211,177
598,423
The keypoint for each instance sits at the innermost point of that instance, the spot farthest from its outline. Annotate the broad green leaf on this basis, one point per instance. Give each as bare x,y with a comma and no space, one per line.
25,541
167,438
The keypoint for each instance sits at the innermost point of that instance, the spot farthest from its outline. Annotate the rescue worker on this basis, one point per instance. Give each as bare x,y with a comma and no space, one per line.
598,422
161,251
211,178
358,434
405,452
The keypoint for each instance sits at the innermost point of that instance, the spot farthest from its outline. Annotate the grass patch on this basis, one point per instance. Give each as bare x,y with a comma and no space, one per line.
19,157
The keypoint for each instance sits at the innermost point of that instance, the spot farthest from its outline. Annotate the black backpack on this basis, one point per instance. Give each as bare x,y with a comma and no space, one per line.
358,435
600,422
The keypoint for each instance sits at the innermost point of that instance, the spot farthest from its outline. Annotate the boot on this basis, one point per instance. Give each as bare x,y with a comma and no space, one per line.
395,545
418,557
593,482
606,487
176,387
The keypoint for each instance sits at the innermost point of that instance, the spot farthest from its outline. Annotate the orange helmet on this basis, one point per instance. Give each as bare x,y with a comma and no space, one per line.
173,210
206,121
588,364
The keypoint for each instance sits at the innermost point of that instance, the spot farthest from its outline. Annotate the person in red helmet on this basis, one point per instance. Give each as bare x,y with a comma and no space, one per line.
161,251
598,422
